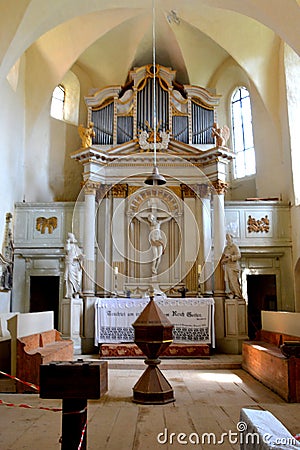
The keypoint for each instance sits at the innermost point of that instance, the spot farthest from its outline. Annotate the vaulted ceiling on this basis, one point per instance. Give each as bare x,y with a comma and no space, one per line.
106,38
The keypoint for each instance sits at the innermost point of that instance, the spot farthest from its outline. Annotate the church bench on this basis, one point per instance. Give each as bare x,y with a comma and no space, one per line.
37,349
5,342
264,360
6,385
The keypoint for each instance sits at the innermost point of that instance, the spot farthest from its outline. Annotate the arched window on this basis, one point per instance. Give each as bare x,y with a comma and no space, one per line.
242,133
65,99
58,102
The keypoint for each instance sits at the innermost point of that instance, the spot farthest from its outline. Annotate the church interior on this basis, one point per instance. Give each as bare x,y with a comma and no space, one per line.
153,163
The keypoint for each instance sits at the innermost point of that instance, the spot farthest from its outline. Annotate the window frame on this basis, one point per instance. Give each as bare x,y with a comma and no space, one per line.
56,101
245,154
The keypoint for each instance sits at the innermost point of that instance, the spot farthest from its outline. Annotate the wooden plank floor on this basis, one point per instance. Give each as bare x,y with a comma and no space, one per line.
207,401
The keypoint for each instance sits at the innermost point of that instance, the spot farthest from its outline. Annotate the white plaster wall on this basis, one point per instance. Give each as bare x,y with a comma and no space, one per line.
281,322
295,218
64,173
292,78
271,144
51,174
12,120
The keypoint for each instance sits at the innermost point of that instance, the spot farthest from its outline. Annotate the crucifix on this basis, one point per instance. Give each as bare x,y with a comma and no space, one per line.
157,238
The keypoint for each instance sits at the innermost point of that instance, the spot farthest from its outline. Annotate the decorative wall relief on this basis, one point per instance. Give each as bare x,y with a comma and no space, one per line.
42,223
258,225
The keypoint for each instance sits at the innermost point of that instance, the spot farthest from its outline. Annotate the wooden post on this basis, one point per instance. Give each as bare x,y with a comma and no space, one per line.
74,423
74,382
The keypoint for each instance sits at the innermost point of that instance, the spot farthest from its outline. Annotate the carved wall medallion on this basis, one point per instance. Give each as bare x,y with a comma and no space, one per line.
258,225
42,223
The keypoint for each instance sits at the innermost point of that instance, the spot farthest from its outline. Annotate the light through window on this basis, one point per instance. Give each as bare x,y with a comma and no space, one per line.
58,102
242,135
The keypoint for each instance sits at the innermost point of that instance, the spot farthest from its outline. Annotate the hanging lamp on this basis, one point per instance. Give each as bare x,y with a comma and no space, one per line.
155,179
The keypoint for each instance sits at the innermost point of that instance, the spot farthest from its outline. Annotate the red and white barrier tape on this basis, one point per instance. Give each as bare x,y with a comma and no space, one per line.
33,386
37,388
24,405
82,436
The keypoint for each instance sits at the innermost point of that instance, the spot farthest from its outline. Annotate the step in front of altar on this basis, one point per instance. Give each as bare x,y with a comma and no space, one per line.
131,350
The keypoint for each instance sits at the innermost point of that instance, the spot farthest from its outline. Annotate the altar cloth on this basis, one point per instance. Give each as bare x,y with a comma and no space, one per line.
193,319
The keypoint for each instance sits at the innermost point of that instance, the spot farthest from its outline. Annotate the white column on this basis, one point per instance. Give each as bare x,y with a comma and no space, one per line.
89,239
219,242
107,233
205,259
89,274
119,194
104,252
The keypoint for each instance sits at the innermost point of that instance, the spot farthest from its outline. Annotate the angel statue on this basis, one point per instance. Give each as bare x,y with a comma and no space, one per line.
221,134
86,135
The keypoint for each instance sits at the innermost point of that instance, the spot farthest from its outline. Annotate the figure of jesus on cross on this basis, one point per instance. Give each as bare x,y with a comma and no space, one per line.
157,237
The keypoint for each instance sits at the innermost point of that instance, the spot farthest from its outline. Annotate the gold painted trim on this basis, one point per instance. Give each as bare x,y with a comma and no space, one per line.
203,104
187,191
120,190
102,105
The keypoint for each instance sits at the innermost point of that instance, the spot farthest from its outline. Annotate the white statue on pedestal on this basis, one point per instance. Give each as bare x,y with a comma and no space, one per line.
231,266
73,267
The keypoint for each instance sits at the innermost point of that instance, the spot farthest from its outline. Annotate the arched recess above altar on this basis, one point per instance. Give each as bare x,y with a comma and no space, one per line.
155,239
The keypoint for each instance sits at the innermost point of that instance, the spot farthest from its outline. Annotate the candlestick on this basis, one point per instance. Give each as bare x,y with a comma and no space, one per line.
199,281
116,281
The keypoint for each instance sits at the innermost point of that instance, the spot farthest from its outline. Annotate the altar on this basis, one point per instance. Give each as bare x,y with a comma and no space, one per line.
193,319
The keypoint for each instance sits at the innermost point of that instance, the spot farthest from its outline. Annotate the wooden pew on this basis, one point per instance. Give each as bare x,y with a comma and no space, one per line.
34,341
37,349
264,359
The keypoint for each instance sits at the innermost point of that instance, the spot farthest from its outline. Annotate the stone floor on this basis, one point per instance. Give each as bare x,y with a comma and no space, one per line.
209,396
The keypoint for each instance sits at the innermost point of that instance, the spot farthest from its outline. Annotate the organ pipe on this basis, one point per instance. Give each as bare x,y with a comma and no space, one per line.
191,123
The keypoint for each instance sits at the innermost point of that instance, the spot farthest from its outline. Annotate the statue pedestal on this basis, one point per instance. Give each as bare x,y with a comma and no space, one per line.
236,329
71,321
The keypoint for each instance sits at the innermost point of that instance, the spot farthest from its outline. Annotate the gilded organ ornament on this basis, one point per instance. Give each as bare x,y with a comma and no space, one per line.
86,135
146,140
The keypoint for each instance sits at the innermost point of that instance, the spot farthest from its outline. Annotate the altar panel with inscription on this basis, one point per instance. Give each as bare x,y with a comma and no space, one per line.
193,319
